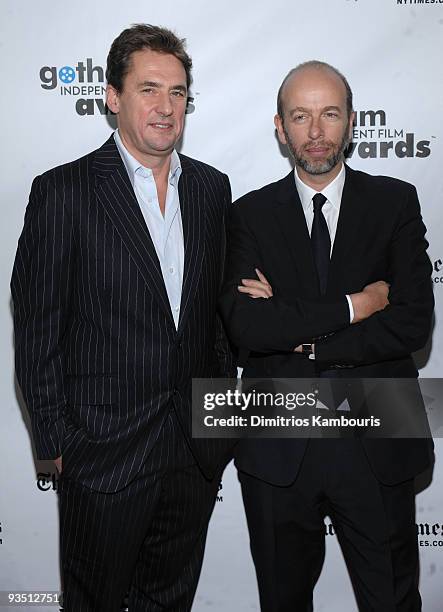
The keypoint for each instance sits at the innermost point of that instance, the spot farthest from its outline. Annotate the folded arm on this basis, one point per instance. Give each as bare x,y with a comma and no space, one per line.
269,325
402,327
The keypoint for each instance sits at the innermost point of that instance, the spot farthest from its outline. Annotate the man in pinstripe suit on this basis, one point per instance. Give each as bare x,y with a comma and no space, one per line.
115,285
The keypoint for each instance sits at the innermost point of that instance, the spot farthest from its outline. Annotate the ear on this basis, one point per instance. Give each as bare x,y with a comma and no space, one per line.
112,99
351,124
280,131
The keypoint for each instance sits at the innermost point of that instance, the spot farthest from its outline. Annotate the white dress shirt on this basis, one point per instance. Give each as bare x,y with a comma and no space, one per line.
166,231
331,208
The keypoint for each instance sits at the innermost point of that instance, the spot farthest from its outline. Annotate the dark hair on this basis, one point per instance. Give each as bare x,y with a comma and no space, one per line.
136,38
321,65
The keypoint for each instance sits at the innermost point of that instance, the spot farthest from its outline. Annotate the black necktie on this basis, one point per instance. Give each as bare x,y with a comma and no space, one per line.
321,242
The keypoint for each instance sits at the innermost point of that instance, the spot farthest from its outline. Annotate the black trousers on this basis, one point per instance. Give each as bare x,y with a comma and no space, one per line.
375,526
147,539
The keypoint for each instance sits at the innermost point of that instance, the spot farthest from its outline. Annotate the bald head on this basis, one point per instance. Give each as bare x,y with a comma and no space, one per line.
299,77
315,120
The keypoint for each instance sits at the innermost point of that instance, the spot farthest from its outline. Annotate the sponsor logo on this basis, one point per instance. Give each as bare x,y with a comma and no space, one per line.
47,481
85,82
437,275
433,534
434,531
1,532
435,2
372,137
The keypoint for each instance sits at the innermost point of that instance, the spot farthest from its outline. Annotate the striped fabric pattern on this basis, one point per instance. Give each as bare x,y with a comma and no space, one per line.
98,358
146,540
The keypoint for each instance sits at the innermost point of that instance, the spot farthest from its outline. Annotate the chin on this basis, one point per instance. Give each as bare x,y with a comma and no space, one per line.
317,168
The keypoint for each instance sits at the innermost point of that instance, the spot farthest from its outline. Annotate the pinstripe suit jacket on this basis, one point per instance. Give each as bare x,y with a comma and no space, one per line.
98,358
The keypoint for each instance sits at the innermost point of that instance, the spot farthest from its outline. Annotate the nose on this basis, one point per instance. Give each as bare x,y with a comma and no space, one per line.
315,128
164,105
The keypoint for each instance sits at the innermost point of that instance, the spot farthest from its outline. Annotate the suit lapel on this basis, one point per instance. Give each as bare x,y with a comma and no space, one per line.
292,224
192,198
351,217
114,191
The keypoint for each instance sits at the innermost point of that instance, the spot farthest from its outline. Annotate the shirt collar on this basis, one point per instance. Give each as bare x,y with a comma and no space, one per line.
333,192
133,166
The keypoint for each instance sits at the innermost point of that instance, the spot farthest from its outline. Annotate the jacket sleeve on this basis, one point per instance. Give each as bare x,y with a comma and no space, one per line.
41,289
222,346
402,327
268,325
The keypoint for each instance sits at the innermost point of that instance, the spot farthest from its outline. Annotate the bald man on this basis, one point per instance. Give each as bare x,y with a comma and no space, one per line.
313,246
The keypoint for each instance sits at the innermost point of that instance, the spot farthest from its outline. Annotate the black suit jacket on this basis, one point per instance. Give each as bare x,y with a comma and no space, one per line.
98,357
380,236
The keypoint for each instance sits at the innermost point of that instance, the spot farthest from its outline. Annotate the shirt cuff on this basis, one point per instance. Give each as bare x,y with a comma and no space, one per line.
351,309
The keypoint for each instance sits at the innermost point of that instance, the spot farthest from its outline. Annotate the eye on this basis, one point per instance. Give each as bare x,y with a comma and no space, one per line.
178,93
299,117
331,115
148,90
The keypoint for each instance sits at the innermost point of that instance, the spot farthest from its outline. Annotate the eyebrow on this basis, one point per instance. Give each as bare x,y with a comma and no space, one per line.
301,109
158,85
336,108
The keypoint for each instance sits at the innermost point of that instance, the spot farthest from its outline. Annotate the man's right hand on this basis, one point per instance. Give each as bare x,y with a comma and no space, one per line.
256,288
373,298
58,464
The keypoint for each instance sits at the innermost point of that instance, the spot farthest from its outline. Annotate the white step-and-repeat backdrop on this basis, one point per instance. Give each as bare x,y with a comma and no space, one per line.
390,50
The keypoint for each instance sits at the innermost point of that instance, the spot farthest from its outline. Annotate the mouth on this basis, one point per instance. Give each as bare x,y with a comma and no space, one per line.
317,151
161,126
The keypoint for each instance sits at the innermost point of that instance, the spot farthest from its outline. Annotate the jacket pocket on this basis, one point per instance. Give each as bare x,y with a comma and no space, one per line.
93,407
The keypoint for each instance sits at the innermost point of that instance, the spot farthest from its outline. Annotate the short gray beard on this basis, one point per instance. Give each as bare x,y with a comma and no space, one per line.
321,168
